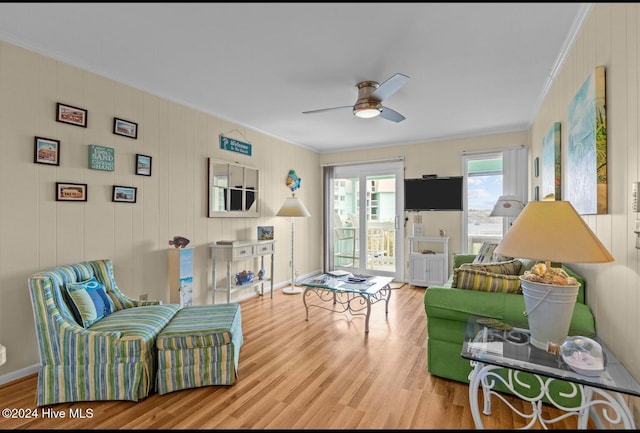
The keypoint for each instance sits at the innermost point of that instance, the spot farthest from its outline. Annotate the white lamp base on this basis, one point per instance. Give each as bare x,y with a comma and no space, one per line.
292,290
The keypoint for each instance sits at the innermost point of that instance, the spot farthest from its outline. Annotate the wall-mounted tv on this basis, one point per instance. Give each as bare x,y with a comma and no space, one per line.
433,194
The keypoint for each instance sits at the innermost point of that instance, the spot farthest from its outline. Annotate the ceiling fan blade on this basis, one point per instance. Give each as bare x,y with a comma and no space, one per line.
328,109
389,87
389,114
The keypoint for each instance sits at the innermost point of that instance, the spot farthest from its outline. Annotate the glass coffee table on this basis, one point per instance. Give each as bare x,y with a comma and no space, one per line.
347,293
499,352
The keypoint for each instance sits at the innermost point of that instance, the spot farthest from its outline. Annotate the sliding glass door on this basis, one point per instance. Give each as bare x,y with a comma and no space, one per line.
364,209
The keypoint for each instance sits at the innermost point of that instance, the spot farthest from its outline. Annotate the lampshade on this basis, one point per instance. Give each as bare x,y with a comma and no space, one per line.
552,231
507,206
293,207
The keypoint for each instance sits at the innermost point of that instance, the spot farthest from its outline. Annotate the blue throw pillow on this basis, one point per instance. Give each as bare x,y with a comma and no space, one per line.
89,301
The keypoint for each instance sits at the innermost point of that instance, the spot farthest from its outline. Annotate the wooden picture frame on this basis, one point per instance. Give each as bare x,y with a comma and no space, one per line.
71,115
143,165
124,194
67,191
125,128
46,151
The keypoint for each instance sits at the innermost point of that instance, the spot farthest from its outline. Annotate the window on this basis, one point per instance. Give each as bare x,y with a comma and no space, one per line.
487,176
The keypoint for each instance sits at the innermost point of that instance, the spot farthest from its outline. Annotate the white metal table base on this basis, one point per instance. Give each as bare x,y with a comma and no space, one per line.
357,304
614,408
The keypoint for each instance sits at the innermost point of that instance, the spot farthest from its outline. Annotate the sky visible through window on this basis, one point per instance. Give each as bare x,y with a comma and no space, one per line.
483,191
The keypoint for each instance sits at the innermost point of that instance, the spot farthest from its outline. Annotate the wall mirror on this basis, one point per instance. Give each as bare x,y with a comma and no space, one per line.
233,189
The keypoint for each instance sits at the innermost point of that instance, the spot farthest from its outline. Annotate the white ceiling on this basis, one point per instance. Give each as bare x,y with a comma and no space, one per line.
474,69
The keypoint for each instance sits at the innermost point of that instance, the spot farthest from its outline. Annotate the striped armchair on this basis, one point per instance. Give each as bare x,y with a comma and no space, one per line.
111,359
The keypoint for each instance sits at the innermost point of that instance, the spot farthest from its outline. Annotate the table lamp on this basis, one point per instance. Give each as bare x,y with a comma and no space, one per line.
293,208
551,231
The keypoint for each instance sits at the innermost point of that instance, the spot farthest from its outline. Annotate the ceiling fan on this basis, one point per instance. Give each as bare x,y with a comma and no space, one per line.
370,97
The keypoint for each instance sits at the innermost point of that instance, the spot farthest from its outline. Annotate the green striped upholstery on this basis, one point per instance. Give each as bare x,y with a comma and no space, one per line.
199,347
113,359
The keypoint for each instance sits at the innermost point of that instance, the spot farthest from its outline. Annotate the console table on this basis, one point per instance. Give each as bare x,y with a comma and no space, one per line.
499,354
235,251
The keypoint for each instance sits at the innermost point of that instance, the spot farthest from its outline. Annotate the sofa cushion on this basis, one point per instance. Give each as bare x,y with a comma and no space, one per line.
509,267
139,327
89,301
486,254
473,279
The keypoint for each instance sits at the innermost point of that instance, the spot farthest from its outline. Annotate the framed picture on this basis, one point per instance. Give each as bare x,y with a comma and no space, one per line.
551,185
265,233
586,164
125,194
73,115
143,165
536,193
125,128
66,191
536,166
46,151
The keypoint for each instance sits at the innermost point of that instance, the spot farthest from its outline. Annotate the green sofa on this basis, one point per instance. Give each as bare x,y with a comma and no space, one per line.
448,309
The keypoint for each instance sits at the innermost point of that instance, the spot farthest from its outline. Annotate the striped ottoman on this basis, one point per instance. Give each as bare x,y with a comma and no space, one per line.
200,346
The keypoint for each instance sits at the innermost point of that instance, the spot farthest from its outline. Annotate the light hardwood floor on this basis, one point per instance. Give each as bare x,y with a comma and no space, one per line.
325,373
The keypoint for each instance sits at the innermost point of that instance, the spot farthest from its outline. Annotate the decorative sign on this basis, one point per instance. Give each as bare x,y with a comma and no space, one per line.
101,158
235,145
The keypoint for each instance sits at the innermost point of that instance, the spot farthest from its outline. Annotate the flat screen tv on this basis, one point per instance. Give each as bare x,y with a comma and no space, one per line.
433,194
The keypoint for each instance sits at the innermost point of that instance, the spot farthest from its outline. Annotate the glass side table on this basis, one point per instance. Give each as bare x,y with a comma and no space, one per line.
500,352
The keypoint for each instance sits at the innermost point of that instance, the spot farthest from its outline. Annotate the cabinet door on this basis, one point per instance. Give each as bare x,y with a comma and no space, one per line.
417,270
435,269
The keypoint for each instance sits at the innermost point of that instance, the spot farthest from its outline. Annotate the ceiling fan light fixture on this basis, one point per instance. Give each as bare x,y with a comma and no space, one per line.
367,110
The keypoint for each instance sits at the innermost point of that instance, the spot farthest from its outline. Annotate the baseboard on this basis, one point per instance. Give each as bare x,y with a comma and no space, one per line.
19,374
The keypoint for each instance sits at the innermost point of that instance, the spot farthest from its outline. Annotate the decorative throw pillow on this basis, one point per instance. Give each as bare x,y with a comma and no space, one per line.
527,264
486,254
89,301
473,279
510,267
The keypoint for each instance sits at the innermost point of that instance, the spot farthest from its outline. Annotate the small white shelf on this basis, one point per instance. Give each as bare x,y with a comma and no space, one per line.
428,269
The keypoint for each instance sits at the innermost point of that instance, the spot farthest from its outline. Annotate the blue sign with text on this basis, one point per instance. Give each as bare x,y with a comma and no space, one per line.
235,145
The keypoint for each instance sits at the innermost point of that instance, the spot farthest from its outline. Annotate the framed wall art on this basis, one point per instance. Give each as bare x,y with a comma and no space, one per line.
126,194
552,164
536,166
66,191
265,233
125,128
46,151
143,165
586,165
101,158
72,115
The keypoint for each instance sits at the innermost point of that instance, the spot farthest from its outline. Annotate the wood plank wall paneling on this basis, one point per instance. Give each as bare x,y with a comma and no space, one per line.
38,231
609,37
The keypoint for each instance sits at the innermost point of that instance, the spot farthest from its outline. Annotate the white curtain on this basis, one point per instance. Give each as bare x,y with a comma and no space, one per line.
515,174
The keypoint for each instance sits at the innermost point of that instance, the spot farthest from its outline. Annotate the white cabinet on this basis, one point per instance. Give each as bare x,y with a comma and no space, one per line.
235,251
428,260
180,269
